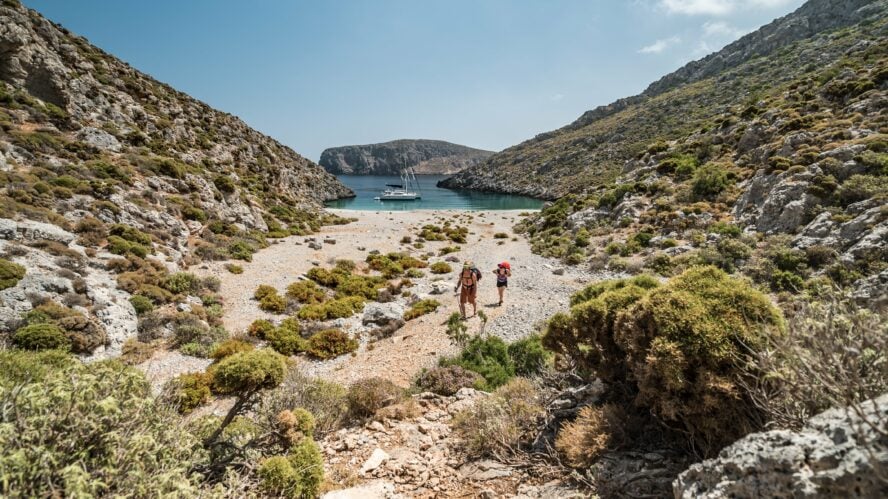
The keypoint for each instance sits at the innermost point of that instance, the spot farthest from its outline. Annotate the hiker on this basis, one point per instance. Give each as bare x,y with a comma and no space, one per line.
468,288
503,272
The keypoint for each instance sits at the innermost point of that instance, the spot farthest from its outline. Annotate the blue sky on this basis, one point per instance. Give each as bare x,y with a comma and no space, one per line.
485,73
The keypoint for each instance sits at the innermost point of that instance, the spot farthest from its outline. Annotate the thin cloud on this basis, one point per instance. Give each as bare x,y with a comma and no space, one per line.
716,7
722,29
660,45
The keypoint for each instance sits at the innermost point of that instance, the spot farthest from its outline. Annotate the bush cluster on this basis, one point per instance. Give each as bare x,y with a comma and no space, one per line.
502,423
393,265
497,362
441,268
420,308
10,274
330,343
447,380
682,346
333,309
366,396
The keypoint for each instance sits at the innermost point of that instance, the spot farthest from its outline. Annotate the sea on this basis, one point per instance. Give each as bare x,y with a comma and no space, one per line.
367,187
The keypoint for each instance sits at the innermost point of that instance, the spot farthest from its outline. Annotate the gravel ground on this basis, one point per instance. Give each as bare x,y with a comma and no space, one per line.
535,292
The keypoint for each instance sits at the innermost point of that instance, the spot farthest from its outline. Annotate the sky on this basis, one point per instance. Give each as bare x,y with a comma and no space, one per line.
483,73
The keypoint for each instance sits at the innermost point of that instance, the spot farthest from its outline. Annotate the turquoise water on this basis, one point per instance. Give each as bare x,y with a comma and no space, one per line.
433,198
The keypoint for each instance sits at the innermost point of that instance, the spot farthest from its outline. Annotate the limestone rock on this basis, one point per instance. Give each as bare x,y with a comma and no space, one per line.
832,456
382,313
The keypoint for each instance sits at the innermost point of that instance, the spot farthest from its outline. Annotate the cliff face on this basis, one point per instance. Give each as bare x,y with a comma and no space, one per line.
591,152
426,157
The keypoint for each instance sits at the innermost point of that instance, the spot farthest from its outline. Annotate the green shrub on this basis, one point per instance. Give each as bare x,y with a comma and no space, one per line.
130,234
684,345
446,250
500,235
10,274
488,357
228,348
529,356
330,343
782,280
860,187
93,430
362,286
441,268
447,380
142,304
120,246
224,183
333,309
298,474
249,372
241,250
234,268
21,366
306,292
273,303
259,328
368,395
709,180
41,336
189,391
264,290
286,339
325,277
420,308
183,283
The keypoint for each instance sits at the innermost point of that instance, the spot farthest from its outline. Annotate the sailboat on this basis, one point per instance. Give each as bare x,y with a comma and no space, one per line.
407,190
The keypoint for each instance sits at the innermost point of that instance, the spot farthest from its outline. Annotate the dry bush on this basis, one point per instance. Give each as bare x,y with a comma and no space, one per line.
408,409
325,400
835,354
501,424
595,430
368,395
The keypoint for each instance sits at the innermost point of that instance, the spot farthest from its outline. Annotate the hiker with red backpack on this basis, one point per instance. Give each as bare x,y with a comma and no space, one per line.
503,273
468,288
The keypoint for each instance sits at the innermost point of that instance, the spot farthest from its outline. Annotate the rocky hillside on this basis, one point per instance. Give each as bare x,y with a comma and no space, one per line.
768,158
592,151
99,161
427,157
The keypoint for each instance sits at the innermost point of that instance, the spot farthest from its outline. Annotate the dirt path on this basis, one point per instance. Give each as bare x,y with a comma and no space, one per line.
535,291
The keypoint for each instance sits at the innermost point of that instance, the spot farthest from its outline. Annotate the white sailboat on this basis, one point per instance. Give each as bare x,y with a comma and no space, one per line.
407,190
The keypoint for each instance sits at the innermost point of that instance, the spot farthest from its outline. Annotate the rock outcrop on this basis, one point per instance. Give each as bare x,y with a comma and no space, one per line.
426,157
839,453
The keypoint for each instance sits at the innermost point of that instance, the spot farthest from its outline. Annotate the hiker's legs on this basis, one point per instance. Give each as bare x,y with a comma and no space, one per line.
463,297
500,290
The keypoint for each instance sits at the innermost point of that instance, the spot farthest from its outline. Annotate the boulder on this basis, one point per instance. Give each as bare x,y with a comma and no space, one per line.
382,313
99,139
834,455
375,460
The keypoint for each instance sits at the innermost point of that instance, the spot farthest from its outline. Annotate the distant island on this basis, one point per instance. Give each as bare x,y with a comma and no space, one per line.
426,157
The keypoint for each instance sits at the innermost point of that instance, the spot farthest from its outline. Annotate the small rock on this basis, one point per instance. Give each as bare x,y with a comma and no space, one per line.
376,459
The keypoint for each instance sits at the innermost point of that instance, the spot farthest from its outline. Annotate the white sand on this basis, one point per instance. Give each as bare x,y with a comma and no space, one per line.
534,294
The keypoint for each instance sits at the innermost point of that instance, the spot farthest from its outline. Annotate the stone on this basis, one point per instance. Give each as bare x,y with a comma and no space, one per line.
375,460
484,470
439,288
377,489
99,139
315,245
382,313
833,455
558,271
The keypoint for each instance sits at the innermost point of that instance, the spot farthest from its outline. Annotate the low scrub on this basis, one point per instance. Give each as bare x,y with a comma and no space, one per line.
366,396
330,343
10,274
333,309
447,380
421,308
684,345
306,292
595,430
189,391
501,424
441,268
